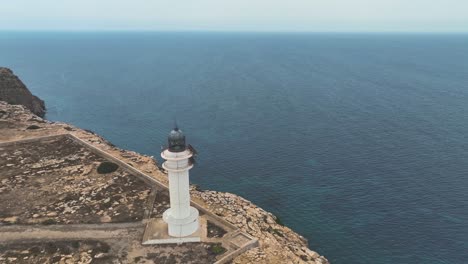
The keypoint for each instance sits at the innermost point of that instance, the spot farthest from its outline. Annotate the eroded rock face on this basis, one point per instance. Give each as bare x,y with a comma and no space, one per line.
13,91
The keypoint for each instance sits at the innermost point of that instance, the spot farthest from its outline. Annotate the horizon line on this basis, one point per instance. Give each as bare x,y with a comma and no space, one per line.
234,31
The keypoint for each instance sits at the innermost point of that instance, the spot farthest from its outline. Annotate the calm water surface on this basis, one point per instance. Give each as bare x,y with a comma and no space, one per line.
358,142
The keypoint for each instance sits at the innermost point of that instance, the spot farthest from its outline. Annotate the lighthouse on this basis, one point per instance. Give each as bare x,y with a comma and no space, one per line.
181,218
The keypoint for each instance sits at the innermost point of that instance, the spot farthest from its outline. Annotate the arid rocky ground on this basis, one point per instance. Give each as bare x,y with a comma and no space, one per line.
56,181
105,251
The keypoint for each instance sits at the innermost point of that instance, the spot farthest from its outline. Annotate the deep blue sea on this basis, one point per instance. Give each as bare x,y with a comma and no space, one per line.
359,142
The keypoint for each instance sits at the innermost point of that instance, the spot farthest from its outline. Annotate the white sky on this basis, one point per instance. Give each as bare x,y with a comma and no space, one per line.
237,15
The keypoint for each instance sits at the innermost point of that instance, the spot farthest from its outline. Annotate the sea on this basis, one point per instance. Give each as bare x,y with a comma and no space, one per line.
358,142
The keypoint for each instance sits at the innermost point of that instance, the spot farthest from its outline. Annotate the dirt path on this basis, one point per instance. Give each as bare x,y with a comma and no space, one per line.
68,232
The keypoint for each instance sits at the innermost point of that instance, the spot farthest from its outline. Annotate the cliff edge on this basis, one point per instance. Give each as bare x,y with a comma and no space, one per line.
13,91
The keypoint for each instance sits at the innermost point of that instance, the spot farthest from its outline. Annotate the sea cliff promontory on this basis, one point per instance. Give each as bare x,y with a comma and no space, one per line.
13,91
79,196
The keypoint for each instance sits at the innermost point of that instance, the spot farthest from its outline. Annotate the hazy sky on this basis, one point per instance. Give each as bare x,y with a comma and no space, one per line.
241,15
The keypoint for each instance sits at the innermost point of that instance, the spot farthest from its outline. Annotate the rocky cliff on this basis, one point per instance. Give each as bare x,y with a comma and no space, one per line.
13,91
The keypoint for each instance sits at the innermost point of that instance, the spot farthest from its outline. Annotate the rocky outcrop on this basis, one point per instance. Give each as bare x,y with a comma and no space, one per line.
13,91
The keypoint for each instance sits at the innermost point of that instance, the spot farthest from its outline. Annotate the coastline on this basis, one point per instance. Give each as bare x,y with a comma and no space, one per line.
277,243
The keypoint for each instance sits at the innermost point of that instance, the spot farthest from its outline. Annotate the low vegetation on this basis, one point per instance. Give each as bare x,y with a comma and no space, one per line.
217,249
33,127
49,222
107,167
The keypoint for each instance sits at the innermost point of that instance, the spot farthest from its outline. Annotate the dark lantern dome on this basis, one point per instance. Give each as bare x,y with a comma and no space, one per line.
176,140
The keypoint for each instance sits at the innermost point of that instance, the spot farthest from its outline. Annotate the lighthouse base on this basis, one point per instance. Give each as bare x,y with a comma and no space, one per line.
182,227
156,232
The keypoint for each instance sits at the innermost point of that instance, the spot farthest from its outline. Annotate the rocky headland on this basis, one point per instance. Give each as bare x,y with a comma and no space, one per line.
277,243
13,91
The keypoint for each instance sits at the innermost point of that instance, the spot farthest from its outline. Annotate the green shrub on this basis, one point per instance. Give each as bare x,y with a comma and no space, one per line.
75,244
33,127
49,222
278,232
107,167
217,249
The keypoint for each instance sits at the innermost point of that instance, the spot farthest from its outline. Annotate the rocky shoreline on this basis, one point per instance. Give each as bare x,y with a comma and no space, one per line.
277,243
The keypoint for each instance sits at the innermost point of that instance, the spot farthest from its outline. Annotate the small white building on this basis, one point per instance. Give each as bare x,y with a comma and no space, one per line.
181,218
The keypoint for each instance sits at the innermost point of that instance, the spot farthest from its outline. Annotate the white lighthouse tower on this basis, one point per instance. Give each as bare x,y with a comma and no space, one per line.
181,218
